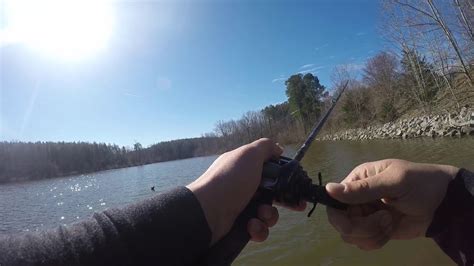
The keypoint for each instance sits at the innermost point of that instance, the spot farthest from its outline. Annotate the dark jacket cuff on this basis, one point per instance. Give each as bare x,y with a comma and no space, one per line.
457,202
452,225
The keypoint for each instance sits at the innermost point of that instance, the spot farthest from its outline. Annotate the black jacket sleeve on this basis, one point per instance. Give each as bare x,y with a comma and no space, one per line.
453,223
168,229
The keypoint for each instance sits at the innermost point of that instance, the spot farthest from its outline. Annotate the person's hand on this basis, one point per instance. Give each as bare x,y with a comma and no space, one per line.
390,199
229,184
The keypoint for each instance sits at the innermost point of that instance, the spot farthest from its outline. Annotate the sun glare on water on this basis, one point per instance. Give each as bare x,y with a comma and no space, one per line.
66,29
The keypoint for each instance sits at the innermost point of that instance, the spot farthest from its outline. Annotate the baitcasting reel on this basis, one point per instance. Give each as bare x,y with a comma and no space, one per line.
289,183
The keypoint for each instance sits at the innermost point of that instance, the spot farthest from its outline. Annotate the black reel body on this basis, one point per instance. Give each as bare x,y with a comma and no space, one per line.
289,183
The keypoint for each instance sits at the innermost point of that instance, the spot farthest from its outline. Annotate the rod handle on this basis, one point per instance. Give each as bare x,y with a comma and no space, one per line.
324,198
228,248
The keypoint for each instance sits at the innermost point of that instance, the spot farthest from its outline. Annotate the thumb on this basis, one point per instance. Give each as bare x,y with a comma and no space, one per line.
267,148
361,191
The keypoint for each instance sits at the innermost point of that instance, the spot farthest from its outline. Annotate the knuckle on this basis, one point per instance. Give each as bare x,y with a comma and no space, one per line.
263,235
362,185
364,247
265,141
367,245
360,168
249,151
348,239
275,214
357,186
371,245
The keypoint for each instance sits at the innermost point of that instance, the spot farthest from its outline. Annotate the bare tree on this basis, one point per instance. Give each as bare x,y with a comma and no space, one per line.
435,21
410,25
380,74
466,16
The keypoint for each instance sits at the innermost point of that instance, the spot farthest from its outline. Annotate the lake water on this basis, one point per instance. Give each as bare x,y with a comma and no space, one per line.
295,240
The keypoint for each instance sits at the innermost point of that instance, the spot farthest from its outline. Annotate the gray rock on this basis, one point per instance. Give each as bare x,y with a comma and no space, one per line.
432,133
472,120
466,130
453,133
422,126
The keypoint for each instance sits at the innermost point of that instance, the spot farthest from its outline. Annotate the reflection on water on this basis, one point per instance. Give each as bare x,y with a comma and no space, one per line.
295,240
43,204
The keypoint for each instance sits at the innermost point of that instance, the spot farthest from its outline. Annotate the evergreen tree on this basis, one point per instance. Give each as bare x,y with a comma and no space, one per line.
305,95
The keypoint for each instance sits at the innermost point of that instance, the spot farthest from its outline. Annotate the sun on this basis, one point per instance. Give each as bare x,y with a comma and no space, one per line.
66,29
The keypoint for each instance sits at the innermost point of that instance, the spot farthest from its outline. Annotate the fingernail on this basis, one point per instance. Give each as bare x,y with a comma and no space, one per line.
279,146
256,227
386,220
335,187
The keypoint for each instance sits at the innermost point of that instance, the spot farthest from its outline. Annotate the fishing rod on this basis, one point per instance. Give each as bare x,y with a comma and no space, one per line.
284,181
314,132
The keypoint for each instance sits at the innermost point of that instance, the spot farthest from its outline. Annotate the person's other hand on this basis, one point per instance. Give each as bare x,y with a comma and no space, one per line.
389,199
229,184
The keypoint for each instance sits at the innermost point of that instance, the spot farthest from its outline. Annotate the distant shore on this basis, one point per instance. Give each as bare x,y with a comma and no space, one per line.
448,124
62,175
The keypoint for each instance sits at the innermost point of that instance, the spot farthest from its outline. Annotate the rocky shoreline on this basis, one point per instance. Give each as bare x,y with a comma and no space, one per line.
450,124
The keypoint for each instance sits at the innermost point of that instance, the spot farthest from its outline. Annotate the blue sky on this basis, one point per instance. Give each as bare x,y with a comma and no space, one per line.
171,69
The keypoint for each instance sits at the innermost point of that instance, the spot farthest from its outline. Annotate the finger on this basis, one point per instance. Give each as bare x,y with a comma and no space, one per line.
360,172
339,220
300,207
371,225
267,148
268,214
353,176
409,227
368,239
372,243
360,226
257,230
363,190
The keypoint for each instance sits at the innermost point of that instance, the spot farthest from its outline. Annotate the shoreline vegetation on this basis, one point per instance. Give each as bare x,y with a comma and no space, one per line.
423,86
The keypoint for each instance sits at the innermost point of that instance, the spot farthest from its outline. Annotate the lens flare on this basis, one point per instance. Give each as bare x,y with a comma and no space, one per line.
67,29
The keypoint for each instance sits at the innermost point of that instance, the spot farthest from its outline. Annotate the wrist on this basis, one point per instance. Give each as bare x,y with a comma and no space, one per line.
444,175
448,171
208,204
457,203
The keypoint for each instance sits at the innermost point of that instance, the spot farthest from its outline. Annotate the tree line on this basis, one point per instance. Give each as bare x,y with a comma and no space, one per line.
429,68
21,161
286,122
36,160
